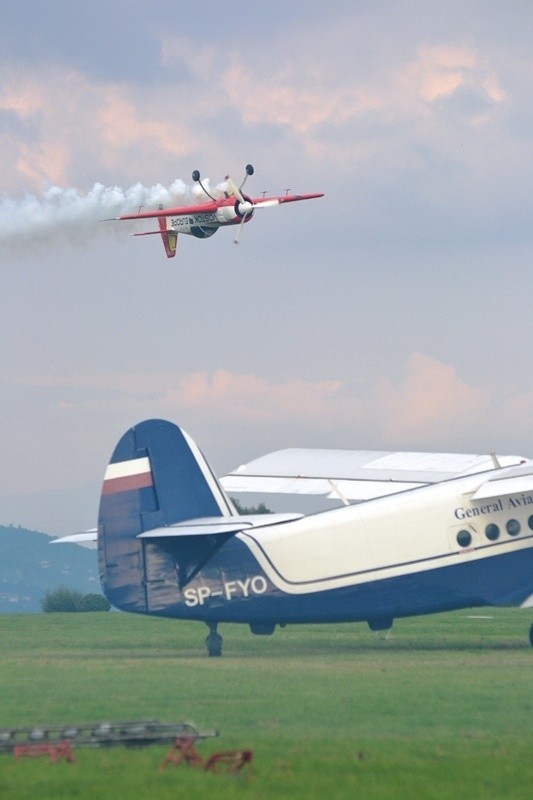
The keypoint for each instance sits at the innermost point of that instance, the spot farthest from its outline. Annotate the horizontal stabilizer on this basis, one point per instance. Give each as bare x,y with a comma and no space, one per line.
212,526
353,474
78,538
169,237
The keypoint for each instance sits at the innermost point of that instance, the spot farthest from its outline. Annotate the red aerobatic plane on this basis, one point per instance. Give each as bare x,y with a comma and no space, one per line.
204,219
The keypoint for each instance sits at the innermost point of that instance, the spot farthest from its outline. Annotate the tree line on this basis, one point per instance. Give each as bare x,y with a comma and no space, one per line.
63,599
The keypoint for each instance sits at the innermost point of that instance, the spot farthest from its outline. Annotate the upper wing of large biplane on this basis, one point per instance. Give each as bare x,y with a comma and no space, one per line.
356,475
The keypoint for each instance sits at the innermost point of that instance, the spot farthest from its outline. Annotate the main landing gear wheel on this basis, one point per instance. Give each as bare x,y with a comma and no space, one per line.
531,636
214,641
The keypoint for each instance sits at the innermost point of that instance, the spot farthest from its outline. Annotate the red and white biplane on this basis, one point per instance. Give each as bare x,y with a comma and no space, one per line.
204,219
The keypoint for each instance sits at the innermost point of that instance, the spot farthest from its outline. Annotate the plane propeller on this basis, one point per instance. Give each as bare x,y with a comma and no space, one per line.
245,207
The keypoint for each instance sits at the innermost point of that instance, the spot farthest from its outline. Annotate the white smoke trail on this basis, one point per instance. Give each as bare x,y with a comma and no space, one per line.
68,212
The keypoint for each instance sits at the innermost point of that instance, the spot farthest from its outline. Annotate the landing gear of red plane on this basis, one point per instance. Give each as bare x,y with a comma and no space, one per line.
214,640
197,178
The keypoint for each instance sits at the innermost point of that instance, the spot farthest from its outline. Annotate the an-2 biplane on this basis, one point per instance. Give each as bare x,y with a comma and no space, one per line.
418,533
204,219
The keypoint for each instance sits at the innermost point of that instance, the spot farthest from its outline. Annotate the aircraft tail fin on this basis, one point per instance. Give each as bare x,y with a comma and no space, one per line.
157,477
169,237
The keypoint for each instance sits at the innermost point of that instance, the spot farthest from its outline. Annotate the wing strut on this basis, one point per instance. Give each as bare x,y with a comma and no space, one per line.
338,492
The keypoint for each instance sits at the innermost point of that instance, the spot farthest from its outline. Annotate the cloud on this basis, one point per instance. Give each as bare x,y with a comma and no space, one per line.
250,399
237,416
431,403
429,407
246,398
318,101
332,104
293,99
123,123
453,85
78,127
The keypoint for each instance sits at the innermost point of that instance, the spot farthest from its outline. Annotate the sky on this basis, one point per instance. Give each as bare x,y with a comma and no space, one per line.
393,313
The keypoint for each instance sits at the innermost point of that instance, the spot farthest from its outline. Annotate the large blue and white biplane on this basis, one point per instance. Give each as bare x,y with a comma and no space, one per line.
414,533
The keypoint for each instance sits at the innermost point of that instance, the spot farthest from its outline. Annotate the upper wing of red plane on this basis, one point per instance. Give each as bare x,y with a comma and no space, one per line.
213,205
199,208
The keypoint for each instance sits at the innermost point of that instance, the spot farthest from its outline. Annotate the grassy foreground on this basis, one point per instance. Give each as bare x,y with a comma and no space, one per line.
441,709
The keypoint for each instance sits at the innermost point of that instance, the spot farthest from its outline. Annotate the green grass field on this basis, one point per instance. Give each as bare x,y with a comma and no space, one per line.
441,709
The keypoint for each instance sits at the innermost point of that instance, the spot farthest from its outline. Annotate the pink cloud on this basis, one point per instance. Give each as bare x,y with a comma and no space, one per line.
251,398
320,102
430,402
243,397
123,124
430,407
438,71
127,125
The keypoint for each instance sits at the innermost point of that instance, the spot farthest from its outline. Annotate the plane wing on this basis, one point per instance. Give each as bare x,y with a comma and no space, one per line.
199,208
348,475
509,481
354,475
204,526
265,202
211,207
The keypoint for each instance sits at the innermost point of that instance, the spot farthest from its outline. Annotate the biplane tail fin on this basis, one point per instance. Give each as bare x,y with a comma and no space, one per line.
157,478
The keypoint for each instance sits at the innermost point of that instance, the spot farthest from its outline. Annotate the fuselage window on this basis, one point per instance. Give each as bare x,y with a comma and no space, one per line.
530,522
464,538
513,527
492,532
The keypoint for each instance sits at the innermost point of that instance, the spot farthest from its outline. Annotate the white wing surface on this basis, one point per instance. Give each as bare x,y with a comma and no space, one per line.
354,474
514,480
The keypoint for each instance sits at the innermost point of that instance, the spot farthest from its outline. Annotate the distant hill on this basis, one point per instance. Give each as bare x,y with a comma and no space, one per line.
30,566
